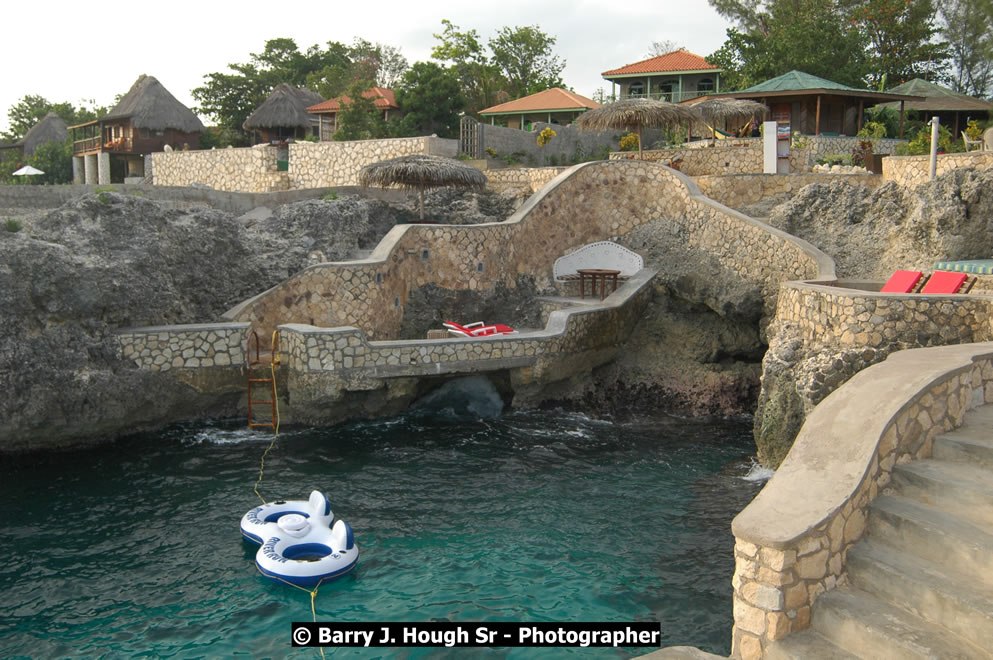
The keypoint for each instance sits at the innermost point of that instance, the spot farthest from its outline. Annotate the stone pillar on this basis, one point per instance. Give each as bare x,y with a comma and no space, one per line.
90,169
103,168
78,170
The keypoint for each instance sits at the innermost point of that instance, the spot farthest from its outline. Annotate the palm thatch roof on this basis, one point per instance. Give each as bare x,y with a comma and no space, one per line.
51,128
420,171
150,105
717,110
635,114
286,106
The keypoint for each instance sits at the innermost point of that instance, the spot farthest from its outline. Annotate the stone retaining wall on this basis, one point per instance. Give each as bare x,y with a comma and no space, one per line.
161,348
326,164
311,165
587,203
819,146
522,180
251,169
744,189
792,540
912,171
741,156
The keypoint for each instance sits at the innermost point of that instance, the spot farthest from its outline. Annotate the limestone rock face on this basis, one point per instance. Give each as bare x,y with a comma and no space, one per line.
870,233
105,261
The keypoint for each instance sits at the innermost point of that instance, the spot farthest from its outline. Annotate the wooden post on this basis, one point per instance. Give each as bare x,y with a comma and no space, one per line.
861,108
817,117
901,119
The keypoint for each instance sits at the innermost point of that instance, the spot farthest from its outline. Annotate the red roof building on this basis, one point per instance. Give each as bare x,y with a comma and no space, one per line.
327,111
553,106
674,77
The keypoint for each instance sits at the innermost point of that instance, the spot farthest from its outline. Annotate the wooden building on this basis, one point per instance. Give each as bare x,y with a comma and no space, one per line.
147,119
816,106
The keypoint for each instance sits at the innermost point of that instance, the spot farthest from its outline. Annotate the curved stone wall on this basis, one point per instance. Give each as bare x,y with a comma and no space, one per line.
588,202
792,540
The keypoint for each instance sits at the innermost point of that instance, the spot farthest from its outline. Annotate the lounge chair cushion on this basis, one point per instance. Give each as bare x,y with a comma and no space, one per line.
902,281
943,281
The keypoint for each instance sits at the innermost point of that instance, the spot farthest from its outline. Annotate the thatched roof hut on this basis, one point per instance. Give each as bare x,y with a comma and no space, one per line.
715,111
150,105
286,107
51,128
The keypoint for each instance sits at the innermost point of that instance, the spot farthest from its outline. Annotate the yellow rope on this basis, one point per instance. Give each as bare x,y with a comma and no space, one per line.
313,595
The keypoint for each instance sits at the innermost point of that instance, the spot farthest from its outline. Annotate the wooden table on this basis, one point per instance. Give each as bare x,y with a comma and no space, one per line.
595,275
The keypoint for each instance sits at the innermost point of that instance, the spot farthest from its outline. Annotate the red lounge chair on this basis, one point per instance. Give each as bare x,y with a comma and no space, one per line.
477,329
945,281
902,281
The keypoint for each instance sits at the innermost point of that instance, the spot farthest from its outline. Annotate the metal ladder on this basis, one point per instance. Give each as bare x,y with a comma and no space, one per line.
260,372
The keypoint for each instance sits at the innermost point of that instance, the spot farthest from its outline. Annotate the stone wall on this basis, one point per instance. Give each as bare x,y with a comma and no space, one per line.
161,348
568,146
522,180
327,164
912,171
819,146
741,156
590,202
311,165
792,540
823,334
247,170
745,189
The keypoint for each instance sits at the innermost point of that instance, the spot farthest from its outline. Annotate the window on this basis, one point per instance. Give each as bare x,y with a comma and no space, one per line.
705,85
636,89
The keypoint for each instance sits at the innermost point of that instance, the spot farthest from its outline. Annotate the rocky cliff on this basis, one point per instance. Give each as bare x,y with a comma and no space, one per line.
870,233
70,277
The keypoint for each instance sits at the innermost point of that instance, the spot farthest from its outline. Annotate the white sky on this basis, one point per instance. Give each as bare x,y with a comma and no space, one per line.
70,52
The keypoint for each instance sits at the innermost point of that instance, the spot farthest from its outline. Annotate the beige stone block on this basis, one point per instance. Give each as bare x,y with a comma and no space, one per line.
777,560
778,625
802,620
854,526
795,596
813,567
763,596
776,578
748,618
749,647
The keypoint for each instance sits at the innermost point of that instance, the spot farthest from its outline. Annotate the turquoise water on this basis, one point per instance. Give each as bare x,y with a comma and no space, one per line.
133,549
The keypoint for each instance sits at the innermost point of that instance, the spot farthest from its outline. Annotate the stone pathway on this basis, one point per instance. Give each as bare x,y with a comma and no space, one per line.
920,584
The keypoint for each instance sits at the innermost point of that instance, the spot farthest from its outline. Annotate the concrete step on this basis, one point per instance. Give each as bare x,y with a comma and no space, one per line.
961,488
970,443
932,534
863,625
926,589
805,645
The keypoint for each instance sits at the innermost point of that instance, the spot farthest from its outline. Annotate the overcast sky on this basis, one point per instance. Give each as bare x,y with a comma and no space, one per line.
75,52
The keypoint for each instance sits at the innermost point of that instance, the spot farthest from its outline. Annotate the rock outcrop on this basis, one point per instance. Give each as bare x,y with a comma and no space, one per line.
71,277
870,233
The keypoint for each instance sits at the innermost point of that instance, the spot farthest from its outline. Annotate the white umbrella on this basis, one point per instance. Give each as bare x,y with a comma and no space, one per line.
27,169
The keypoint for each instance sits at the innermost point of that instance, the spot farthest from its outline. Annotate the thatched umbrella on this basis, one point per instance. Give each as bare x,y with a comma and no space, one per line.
420,171
712,111
633,114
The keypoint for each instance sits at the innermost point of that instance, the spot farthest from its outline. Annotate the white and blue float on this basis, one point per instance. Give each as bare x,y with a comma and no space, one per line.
299,543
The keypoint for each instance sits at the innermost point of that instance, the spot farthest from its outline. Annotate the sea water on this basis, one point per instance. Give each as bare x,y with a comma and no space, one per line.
461,513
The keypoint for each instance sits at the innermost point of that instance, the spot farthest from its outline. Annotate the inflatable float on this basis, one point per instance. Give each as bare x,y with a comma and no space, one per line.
299,543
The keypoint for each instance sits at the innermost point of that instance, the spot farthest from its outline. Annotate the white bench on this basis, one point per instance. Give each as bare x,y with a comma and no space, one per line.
604,255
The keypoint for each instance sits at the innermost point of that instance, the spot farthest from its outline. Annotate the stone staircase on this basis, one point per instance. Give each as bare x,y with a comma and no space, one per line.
920,583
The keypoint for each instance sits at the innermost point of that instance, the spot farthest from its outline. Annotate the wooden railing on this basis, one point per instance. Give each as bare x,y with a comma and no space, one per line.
121,144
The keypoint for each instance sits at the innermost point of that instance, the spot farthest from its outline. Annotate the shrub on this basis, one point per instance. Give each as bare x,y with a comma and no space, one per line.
330,196
13,226
629,142
545,136
872,129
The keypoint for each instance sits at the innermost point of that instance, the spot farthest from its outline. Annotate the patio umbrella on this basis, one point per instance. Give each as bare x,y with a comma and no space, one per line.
26,170
420,171
633,114
712,111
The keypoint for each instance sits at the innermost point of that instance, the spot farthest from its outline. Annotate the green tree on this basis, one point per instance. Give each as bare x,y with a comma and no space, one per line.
32,108
359,119
55,160
430,98
899,38
524,57
966,27
481,81
793,34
